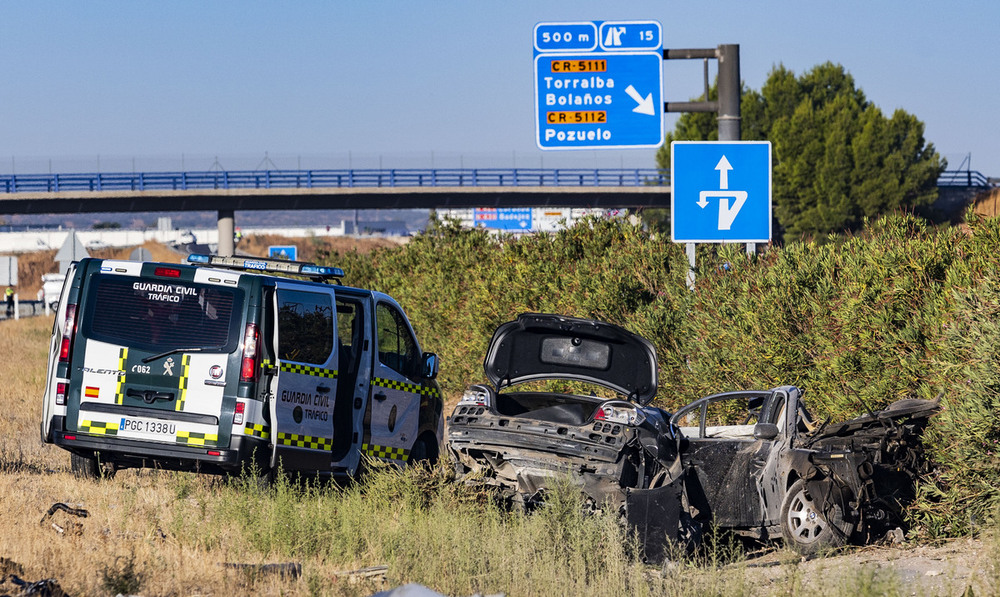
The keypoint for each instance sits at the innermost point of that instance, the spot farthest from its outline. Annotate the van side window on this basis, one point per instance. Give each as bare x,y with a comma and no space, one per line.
397,349
305,326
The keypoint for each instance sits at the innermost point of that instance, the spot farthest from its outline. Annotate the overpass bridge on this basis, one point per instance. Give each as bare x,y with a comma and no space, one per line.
332,189
411,188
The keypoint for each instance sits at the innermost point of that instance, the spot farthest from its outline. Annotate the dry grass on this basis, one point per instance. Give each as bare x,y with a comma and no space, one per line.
257,244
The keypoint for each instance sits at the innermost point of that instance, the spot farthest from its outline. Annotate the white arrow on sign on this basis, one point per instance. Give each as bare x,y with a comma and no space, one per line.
723,167
645,104
726,214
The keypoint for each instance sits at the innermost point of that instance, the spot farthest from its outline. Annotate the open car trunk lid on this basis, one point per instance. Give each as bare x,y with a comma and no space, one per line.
543,346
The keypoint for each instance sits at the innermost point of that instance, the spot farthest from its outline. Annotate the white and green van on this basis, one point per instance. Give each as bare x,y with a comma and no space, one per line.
218,363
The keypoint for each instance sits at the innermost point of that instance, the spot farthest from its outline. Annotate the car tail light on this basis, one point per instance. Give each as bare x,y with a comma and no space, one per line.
241,408
476,395
621,413
251,346
61,394
69,330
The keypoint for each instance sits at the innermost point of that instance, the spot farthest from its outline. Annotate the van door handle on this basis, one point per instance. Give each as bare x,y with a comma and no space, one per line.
380,396
323,389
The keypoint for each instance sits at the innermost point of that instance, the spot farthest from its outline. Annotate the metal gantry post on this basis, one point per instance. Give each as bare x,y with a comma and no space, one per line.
727,107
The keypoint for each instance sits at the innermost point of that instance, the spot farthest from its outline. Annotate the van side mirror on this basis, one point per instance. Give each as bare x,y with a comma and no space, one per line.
429,366
765,431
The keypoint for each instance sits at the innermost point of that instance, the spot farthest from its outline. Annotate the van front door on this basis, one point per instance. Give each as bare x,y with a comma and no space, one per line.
304,386
393,414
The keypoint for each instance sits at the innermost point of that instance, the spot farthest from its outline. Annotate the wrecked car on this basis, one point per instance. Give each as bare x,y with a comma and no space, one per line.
520,441
753,462
757,463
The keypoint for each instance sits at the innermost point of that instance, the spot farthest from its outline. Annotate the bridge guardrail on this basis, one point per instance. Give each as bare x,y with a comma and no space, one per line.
963,178
267,179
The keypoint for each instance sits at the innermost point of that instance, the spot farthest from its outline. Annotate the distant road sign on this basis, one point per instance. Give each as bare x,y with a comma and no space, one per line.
598,85
503,218
289,252
721,191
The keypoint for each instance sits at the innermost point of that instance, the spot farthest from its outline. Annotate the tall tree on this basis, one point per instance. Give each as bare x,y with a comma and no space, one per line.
836,157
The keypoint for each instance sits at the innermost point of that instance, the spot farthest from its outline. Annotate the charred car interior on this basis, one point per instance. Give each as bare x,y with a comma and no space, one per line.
753,462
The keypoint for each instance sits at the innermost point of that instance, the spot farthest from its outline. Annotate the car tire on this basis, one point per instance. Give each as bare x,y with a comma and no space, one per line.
84,467
805,528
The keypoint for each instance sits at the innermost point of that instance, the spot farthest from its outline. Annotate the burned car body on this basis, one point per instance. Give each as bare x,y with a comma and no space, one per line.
777,472
520,442
753,462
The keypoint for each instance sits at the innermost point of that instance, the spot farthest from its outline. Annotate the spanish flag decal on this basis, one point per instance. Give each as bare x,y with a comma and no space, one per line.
91,392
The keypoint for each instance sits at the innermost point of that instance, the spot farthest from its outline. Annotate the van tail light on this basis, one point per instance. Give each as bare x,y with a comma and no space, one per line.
69,330
241,408
251,348
61,393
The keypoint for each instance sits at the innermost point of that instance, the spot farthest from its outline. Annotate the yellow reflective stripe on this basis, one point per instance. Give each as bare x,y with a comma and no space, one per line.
99,427
308,370
182,383
386,452
257,430
122,358
305,441
193,438
412,388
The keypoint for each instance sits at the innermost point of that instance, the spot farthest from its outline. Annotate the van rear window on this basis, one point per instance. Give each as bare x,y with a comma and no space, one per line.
156,315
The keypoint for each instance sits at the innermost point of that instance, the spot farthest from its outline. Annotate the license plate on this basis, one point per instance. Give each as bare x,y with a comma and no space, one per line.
147,427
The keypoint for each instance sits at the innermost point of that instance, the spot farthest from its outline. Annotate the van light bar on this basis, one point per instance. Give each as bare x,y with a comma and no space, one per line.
269,265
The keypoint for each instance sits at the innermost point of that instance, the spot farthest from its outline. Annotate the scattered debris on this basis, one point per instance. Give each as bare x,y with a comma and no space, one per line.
371,573
289,570
75,527
22,588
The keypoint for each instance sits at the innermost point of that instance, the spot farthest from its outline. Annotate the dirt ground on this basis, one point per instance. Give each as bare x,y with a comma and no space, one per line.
949,568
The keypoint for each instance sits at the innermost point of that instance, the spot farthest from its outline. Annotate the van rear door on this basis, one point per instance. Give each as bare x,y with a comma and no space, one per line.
156,347
304,386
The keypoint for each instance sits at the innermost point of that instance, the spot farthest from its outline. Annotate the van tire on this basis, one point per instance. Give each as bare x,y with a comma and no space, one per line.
424,451
84,467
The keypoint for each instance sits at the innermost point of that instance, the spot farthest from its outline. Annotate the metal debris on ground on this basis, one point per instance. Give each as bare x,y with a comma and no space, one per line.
371,573
22,588
290,570
74,527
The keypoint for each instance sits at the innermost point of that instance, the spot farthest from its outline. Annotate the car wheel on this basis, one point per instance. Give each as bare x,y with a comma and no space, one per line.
806,528
84,467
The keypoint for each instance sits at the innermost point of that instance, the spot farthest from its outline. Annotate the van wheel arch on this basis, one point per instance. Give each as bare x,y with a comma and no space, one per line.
425,449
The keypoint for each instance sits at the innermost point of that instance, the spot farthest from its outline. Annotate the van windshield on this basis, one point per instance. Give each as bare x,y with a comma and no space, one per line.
158,315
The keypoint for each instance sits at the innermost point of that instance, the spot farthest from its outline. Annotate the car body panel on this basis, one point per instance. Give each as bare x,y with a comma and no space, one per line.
540,346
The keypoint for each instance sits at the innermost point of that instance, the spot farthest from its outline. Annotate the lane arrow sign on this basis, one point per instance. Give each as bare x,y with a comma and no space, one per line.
645,104
723,167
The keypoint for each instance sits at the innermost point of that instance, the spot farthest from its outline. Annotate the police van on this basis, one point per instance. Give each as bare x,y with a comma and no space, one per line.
218,363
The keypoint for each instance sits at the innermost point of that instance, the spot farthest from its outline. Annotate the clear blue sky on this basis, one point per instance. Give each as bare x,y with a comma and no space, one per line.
434,80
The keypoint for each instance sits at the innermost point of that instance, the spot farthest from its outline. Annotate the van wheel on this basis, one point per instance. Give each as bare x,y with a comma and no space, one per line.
84,467
423,452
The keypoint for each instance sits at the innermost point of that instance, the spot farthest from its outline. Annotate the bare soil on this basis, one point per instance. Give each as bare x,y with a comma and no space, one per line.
947,568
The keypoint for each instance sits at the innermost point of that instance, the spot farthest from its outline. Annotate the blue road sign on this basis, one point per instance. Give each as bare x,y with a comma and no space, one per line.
721,191
289,252
598,85
503,218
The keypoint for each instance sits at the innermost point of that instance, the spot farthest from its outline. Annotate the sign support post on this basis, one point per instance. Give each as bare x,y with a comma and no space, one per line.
727,107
